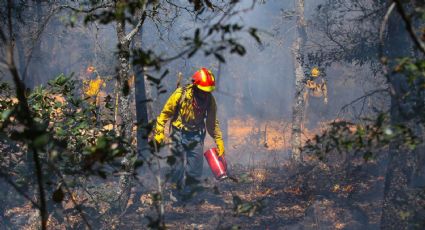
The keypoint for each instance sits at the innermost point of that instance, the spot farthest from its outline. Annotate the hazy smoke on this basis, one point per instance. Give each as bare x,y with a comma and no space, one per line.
259,85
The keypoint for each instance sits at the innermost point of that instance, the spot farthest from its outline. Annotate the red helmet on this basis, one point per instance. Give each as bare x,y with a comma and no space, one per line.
204,80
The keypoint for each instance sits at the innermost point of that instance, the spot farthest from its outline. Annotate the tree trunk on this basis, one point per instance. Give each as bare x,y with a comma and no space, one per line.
125,94
125,125
398,209
34,58
124,106
299,103
149,105
220,99
141,109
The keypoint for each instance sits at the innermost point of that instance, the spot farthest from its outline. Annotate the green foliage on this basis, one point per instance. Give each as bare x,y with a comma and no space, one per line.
246,207
199,5
146,58
124,11
398,126
69,134
339,42
212,39
6,102
413,72
68,130
227,40
58,195
343,136
373,134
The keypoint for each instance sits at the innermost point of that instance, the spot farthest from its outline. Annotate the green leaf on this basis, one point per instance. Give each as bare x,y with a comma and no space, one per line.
219,57
236,201
197,5
58,195
156,197
60,131
197,33
153,79
192,52
60,80
101,143
380,120
245,207
236,27
164,74
239,49
58,104
171,160
138,163
5,114
83,125
41,141
209,4
367,156
102,174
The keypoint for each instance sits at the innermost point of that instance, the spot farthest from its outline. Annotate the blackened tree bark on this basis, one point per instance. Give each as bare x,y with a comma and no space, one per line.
142,117
25,112
298,105
220,98
398,209
126,124
124,104
36,49
124,111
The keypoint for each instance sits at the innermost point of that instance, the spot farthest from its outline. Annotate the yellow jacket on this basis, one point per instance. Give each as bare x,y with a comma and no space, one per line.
187,118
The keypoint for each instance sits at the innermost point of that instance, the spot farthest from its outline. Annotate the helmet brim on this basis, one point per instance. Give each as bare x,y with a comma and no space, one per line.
207,89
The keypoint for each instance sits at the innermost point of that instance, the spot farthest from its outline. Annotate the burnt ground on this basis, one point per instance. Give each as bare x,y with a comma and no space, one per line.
317,195
341,193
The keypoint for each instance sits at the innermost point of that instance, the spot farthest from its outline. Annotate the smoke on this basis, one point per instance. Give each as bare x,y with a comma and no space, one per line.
258,85
254,92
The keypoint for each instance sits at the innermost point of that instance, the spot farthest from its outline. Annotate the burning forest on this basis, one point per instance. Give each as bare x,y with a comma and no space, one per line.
209,114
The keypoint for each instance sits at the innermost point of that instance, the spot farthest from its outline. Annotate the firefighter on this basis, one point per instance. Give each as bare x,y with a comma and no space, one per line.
192,111
317,86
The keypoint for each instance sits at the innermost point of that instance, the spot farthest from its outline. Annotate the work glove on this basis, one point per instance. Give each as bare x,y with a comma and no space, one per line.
156,142
159,137
220,150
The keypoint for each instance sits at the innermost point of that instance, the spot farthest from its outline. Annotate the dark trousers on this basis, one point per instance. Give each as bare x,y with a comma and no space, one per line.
188,149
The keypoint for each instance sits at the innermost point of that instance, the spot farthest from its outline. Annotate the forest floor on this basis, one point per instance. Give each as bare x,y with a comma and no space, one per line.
316,195
341,193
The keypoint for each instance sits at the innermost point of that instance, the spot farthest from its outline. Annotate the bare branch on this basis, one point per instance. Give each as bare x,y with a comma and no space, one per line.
136,29
409,26
35,41
89,10
29,122
18,189
4,65
2,36
68,190
181,7
371,93
384,22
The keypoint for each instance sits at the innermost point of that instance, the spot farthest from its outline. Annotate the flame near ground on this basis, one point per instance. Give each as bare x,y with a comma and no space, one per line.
262,138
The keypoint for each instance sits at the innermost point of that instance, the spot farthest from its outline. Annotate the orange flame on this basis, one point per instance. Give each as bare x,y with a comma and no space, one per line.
92,87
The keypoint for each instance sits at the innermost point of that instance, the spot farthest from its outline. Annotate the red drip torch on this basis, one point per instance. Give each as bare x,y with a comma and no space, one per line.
217,164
